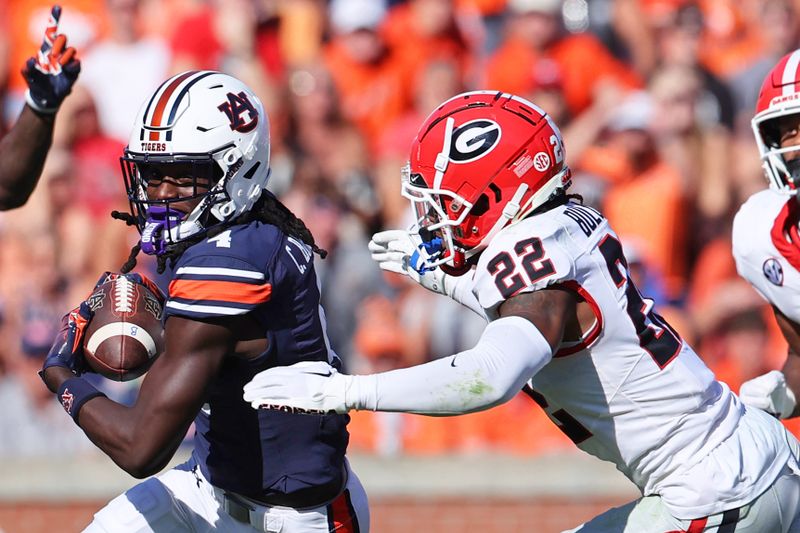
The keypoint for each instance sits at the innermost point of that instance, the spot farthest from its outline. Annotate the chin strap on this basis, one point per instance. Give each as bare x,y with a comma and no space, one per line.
443,157
160,220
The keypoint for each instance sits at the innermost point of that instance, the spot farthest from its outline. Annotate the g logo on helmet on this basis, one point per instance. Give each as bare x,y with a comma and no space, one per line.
474,140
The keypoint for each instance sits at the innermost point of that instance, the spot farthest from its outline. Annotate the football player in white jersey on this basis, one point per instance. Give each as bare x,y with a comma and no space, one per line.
766,244
497,231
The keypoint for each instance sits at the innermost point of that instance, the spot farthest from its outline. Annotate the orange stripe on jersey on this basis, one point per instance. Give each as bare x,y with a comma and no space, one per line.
341,517
222,291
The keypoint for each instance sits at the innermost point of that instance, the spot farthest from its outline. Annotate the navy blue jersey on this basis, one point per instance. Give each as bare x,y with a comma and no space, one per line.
256,269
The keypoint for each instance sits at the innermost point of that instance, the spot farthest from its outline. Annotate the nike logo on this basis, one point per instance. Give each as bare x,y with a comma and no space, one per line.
323,374
453,361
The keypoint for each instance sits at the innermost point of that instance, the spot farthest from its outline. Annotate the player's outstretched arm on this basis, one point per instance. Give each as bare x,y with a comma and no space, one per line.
776,391
511,350
50,76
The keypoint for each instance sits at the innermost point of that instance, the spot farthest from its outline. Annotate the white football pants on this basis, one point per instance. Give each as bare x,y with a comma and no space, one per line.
775,511
180,499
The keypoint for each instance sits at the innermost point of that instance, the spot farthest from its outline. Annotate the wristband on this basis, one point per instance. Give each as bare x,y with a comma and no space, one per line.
36,107
75,392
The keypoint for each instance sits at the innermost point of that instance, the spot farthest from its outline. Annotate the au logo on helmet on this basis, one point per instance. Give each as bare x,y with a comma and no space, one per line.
474,140
236,105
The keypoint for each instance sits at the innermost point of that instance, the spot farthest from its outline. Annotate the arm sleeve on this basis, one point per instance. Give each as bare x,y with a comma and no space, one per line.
510,351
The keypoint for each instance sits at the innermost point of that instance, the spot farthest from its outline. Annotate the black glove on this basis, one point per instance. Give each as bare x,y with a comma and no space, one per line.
51,74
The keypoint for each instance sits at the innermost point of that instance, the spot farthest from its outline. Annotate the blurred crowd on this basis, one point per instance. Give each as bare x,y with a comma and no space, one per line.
654,99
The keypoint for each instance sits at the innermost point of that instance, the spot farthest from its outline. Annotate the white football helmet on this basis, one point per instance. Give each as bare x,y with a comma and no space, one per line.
213,122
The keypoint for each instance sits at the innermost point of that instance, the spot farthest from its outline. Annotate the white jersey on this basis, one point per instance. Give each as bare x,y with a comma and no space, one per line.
765,255
631,391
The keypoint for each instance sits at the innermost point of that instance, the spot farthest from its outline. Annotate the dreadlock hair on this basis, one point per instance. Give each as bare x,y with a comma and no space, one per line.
267,209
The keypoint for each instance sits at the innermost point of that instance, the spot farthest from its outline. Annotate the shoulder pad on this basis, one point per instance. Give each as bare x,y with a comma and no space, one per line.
522,258
224,275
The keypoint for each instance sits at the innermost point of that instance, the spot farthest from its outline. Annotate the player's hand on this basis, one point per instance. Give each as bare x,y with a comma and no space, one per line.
312,387
401,252
51,74
770,393
67,349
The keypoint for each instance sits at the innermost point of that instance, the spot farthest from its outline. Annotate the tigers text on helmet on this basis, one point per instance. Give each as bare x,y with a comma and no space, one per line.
779,98
481,161
211,123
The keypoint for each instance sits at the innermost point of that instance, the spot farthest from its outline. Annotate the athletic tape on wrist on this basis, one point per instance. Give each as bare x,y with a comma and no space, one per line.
75,392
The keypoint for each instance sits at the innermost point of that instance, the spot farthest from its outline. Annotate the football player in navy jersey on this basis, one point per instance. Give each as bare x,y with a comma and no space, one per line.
23,150
243,297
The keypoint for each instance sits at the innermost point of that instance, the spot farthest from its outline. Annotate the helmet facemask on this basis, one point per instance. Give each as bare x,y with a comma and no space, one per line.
162,222
436,229
782,174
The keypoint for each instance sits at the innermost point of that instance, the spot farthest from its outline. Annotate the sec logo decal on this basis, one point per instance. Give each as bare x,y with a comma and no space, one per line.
541,161
773,271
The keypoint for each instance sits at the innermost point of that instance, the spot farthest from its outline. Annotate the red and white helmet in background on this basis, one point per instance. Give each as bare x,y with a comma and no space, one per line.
481,161
779,97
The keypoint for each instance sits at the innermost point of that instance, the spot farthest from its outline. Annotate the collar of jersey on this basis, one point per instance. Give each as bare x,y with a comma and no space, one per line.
785,234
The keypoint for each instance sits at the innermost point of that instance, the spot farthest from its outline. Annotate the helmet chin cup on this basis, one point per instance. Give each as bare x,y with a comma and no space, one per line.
160,220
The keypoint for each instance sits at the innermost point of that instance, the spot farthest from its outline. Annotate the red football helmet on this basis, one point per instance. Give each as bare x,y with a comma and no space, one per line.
481,161
779,97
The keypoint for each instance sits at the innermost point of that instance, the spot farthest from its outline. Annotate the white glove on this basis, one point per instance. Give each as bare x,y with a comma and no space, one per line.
402,252
769,393
394,251
308,387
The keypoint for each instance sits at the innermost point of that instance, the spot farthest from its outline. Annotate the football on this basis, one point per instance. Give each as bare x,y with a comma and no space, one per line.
125,335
